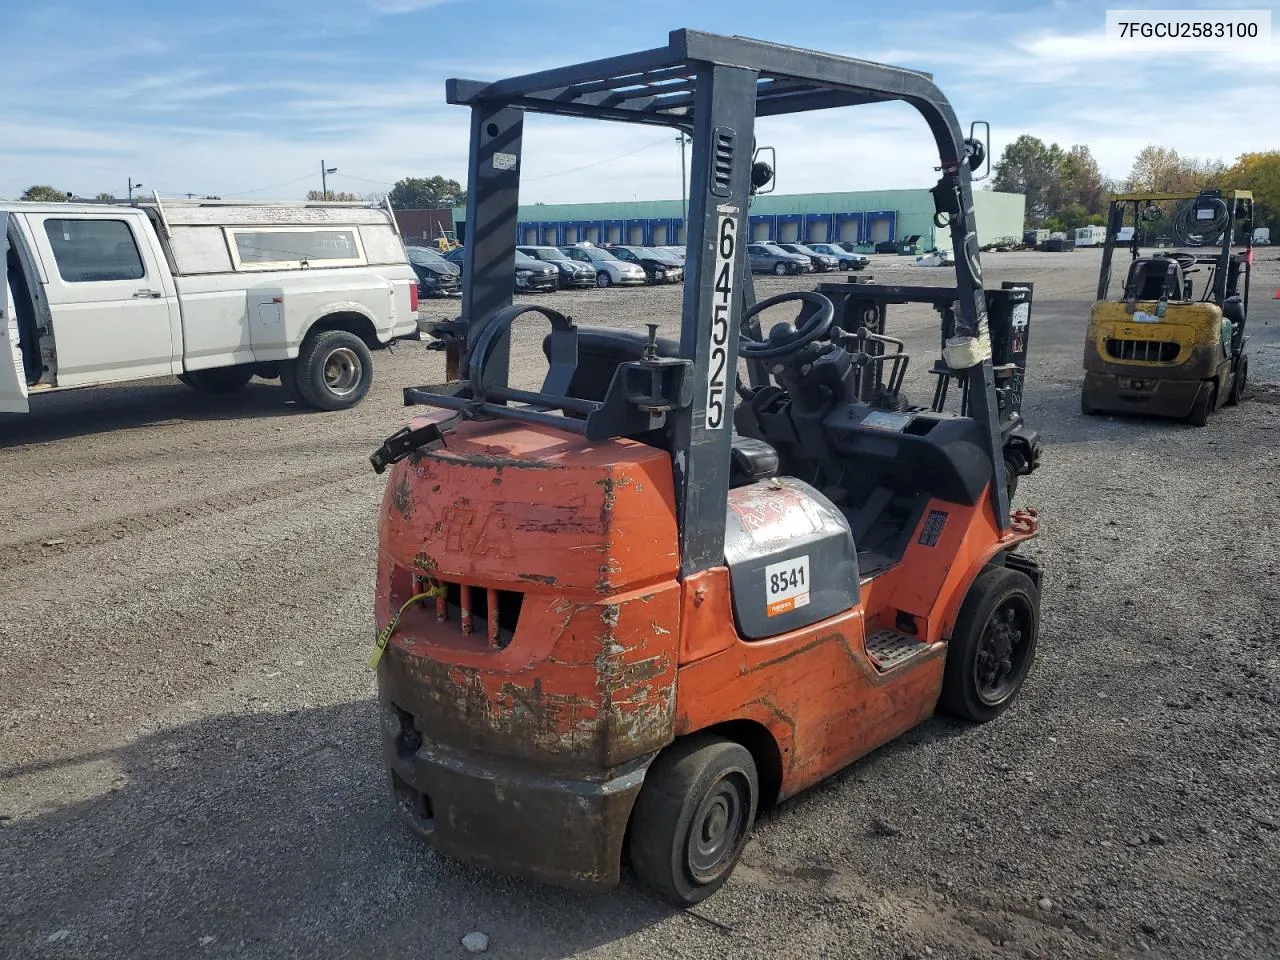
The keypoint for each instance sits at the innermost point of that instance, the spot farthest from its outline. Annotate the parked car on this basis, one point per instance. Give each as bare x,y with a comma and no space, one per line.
609,269
847,258
571,272
532,276
822,262
658,267
437,277
213,292
677,252
770,258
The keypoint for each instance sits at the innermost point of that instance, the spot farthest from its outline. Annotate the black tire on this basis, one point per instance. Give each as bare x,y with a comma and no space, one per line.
1239,383
1011,469
779,268
603,279
334,370
218,379
1085,407
693,817
1202,405
993,645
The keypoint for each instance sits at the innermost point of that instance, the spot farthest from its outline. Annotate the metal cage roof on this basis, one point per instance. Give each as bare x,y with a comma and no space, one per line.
657,86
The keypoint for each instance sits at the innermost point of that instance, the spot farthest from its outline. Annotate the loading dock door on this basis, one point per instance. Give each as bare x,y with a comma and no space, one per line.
760,232
659,234
818,231
849,231
879,230
789,232
635,234
592,234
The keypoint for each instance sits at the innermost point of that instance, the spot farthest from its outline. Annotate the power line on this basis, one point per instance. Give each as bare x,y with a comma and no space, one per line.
245,193
597,163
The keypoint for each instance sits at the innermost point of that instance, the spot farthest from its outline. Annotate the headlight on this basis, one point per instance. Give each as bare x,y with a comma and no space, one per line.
524,273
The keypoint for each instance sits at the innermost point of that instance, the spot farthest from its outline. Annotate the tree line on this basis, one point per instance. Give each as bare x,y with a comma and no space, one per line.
1066,189
409,193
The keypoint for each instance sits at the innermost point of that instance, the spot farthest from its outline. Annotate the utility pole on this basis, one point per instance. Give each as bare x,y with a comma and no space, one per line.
132,186
324,181
684,192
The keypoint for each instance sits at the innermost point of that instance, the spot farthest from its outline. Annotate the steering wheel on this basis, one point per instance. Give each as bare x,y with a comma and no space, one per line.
784,338
1184,260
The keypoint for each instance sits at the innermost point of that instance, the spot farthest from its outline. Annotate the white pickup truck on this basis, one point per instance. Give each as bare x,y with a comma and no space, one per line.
212,292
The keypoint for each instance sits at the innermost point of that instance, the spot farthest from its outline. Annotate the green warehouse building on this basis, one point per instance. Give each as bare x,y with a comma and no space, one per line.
865,218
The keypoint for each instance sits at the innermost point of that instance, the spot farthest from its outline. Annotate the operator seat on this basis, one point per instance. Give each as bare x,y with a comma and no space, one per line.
1147,276
602,349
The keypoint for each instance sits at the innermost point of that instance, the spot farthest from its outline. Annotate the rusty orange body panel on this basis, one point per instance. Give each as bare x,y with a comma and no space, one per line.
815,690
557,650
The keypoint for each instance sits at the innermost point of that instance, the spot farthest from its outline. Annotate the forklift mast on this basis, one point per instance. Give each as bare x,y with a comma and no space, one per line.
711,87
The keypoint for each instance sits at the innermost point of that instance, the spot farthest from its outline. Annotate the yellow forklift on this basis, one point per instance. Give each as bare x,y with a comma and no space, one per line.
1160,347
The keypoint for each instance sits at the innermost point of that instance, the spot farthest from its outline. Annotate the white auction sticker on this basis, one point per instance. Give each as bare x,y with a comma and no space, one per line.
786,585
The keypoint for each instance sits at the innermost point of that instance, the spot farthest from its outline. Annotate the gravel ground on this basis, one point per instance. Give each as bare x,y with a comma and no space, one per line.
188,762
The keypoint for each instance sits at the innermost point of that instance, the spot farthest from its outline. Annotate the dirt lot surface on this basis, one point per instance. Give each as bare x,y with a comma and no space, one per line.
188,746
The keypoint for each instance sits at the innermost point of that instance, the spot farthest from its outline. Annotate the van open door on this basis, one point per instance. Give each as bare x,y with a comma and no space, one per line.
13,378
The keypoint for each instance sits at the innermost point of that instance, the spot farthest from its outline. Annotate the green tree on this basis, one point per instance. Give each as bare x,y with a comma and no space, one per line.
417,193
333,195
44,194
106,197
1260,173
1029,167
1080,182
1159,169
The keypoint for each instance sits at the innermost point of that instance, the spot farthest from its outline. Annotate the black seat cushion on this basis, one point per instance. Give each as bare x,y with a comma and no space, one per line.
751,460
600,351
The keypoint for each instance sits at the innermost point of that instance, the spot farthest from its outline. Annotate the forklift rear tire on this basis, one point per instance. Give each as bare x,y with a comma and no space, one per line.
1205,396
693,817
218,379
993,645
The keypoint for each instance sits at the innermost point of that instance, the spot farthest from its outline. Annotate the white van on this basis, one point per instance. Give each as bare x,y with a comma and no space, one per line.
213,292
1091,236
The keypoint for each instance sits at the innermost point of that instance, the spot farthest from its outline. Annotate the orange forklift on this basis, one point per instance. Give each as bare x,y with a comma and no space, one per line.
621,613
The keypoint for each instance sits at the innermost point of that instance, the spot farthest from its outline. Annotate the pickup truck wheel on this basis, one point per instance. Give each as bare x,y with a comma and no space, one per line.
334,370
218,379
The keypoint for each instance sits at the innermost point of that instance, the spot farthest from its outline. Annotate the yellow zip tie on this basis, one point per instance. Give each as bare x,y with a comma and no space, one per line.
380,643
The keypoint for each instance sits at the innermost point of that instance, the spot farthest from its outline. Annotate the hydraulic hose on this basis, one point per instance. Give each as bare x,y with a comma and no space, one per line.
1198,233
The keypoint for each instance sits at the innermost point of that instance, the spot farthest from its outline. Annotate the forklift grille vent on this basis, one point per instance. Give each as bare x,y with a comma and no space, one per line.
1148,351
477,611
722,162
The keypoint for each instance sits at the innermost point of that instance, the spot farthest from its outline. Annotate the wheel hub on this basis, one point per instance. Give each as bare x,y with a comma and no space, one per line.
1000,654
717,827
342,370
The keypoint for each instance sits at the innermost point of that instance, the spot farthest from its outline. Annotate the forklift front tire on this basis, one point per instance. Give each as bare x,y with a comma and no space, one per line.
993,645
693,816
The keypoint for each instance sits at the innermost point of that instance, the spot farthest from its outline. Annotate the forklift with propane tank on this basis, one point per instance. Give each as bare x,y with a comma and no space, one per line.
623,612
1158,348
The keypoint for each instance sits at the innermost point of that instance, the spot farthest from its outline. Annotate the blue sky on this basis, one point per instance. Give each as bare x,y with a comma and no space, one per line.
246,97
